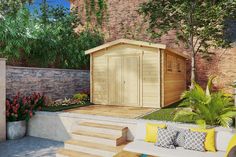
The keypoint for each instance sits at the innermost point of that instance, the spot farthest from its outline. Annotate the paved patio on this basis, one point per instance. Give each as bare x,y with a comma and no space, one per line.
113,111
29,147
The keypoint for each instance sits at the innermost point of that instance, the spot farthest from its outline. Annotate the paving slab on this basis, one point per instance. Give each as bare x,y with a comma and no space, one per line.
29,147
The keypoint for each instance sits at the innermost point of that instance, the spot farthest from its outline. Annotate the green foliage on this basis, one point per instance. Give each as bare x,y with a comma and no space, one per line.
81,96
64,107
200,25
96,11
14,34
207,108
11,6
22,108
46,40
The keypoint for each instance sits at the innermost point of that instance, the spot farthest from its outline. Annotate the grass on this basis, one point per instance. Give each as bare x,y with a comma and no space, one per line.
167,114
63,107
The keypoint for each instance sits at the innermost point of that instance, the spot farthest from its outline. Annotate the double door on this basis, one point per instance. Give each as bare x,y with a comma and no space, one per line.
124,80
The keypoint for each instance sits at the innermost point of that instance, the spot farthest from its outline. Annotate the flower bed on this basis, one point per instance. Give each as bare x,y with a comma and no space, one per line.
78,100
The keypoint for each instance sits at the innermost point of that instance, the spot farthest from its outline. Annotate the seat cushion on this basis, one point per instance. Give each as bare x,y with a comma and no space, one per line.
149,148
166,138
231,147
180,139
210,138
222,139
151,132
195,141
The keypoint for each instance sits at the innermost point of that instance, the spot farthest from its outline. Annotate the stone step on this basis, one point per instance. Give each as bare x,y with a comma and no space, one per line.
104,128
71,153
107,139
91,148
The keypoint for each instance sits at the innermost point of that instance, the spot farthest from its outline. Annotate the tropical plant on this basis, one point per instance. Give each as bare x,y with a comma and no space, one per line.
200,25
22,108
206,107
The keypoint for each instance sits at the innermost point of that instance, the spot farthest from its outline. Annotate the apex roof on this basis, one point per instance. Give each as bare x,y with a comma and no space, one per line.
133,42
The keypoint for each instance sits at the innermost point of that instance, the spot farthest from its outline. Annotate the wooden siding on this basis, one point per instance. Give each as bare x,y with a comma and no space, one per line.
99,78
174,77
151,79
132,75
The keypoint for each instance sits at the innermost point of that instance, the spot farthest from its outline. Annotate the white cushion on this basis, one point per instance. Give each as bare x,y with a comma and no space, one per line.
140,133
140,146
222,139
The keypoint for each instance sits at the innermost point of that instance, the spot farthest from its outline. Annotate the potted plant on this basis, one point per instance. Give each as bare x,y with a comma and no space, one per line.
19,110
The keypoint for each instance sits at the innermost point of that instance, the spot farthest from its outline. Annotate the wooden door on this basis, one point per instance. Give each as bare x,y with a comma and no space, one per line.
114,80
130,88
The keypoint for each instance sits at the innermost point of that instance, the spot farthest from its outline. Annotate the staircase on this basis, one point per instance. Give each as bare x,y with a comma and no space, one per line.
94,140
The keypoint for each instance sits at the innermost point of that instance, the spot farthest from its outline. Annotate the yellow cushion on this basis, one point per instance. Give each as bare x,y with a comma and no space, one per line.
231,144
151,131
210,138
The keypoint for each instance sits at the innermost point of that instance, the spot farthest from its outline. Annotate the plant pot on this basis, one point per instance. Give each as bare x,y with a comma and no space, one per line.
16,130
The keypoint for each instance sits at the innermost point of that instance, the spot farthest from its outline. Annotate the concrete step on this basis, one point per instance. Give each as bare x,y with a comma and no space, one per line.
91,148
104,128
106,139
71,153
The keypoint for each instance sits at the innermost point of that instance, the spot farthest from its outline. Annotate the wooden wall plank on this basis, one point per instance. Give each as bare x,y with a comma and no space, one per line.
174,77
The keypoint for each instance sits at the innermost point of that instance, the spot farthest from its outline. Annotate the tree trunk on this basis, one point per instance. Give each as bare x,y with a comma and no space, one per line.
193,71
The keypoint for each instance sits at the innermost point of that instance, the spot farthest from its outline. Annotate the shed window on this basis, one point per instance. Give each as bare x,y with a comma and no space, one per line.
178,65
169,63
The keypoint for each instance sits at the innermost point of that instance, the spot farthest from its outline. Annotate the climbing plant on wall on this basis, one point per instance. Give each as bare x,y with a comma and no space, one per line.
96,11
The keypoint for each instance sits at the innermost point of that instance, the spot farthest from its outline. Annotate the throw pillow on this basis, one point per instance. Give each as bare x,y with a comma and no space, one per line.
210,138
180,137
151,132
231,150
166,138
195,141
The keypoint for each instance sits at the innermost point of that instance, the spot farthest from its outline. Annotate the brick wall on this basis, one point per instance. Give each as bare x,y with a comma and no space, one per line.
55,83
124,22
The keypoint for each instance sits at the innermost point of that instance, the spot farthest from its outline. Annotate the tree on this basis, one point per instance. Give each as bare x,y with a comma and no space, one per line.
11,6
29,39
199,24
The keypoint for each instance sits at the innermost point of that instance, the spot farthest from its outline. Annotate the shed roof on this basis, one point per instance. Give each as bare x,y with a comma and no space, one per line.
133,42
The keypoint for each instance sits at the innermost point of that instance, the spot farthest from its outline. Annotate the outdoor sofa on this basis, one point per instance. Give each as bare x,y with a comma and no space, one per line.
222,138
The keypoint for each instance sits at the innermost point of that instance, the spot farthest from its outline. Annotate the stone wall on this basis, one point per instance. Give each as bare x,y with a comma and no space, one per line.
125,22
2,99
54,83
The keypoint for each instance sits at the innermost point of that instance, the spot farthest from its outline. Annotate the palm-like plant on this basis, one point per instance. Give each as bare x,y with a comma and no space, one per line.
207,108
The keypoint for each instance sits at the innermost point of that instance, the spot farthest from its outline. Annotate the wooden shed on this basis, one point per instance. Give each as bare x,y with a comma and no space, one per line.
135,73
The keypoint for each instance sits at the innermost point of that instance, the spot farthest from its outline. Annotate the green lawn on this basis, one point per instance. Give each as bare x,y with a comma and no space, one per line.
62,108
166,114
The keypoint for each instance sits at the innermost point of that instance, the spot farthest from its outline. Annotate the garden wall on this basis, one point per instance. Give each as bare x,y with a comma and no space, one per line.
62,124
2,99
54,83
125,22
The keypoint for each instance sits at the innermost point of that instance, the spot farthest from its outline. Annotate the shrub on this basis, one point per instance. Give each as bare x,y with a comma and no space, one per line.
81,96
207,108
23,108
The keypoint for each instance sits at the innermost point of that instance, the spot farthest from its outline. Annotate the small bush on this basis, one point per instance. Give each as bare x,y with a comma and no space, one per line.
23,107
81,96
